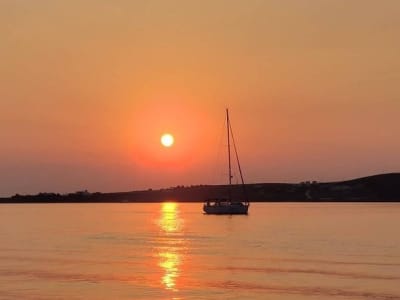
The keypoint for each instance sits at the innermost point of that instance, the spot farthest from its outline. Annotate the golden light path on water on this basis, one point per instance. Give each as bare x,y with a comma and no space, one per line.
170,251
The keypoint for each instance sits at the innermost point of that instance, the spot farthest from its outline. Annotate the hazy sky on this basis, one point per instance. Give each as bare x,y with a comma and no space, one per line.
88,87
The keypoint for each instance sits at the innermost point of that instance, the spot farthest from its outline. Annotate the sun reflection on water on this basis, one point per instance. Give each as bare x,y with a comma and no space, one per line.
172,244
170,221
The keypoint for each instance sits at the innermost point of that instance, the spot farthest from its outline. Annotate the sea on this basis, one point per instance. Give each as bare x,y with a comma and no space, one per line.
173,251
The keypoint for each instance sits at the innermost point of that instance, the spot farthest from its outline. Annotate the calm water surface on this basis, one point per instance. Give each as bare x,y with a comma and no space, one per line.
173,251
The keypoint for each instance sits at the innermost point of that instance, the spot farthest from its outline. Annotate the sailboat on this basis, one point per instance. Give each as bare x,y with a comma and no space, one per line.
228,206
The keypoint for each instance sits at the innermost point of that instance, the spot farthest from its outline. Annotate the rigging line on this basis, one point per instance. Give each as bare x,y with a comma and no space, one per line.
236,154
217,175
238,162
228,127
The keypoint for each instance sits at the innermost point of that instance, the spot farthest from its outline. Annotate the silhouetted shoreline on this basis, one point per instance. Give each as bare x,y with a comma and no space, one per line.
377,188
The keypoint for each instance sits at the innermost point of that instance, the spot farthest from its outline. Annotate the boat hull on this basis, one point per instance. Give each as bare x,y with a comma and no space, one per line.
232,209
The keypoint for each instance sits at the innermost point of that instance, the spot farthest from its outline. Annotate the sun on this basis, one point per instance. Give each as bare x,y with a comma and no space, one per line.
167,140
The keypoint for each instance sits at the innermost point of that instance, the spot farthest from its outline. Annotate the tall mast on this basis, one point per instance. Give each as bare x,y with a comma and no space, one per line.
229,146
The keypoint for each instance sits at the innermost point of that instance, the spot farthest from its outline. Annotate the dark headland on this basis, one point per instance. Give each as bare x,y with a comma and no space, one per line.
377,188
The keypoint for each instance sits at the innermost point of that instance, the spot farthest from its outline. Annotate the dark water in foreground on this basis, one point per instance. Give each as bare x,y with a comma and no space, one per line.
173,251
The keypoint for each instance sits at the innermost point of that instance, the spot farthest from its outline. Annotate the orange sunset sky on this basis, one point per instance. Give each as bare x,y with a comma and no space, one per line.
88,87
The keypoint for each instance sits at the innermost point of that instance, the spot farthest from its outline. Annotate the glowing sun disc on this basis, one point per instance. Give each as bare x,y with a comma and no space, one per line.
167,140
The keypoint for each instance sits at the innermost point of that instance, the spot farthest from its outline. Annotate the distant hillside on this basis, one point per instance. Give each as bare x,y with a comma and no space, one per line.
379,188
382,186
